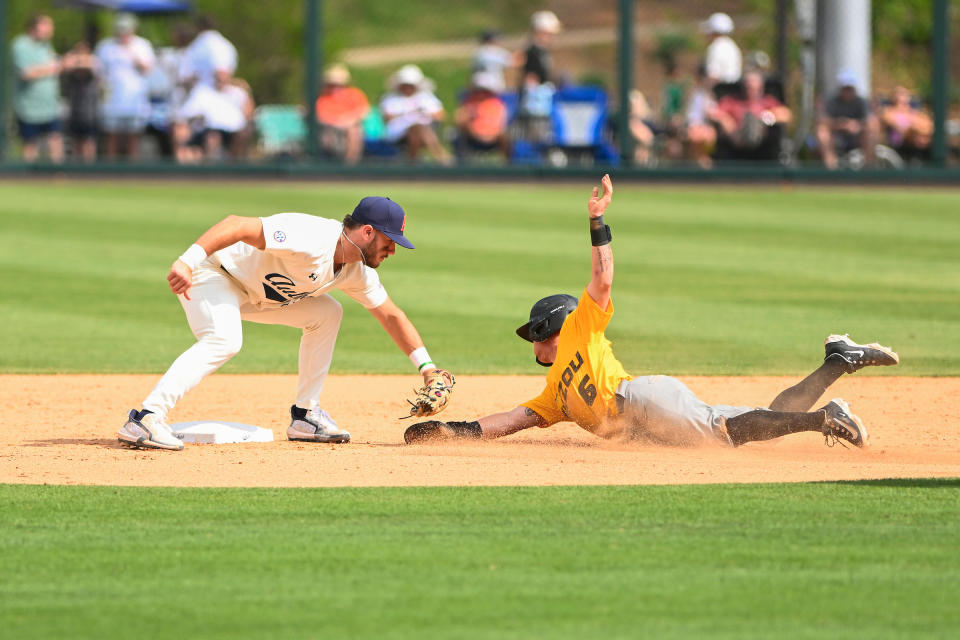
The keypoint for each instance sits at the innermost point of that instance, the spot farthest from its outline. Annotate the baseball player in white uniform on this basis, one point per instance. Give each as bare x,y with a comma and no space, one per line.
278,270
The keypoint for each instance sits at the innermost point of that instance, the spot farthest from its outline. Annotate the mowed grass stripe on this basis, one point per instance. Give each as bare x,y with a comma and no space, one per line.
698,269
868,559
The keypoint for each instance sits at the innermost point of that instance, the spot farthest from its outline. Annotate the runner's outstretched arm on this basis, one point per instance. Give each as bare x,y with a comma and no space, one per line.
601,280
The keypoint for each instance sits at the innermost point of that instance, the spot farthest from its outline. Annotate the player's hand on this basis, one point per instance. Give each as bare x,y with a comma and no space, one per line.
180,279
599,202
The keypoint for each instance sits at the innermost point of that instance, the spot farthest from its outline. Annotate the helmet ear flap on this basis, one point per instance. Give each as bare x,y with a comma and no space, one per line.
539,329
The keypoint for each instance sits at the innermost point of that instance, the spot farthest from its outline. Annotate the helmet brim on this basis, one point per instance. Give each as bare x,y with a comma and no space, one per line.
524,332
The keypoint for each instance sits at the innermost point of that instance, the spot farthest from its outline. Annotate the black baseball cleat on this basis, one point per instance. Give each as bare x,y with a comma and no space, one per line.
857,356
843,425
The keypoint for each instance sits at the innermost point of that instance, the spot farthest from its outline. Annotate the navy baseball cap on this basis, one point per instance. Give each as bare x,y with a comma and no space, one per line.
384,215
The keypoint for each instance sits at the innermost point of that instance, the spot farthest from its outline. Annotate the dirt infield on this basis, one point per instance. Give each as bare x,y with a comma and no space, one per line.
62,430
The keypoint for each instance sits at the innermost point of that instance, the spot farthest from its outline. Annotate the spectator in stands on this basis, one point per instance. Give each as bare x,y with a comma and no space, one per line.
82,90
125,61
908,129
410,111
36,99
537,78
220,118
701,135
166,92
208,53
492,57
482,118
641,128
537,62
723,59
340,111
846,123
747,121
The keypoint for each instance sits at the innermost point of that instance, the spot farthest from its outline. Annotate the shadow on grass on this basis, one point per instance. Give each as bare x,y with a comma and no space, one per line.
921,483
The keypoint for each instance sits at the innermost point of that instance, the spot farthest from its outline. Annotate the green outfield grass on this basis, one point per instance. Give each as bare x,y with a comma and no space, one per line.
743,280
868,559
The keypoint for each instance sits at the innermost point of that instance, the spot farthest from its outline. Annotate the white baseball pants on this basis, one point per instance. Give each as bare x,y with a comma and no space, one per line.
214,312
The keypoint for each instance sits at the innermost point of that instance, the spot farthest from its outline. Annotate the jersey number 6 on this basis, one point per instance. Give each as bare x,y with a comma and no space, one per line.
586,390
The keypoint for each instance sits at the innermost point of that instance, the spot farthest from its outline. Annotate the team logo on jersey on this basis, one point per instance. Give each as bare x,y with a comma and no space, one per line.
279,236
280,288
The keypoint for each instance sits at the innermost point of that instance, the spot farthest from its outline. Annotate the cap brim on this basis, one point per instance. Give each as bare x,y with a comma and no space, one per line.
398,238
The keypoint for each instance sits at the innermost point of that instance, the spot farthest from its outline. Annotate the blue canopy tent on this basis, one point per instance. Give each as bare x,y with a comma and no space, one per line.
142,7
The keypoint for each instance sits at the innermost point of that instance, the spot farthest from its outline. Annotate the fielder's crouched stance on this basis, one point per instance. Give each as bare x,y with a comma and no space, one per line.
278,270
588,385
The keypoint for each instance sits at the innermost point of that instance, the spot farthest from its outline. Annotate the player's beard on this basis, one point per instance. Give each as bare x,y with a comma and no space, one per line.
371,255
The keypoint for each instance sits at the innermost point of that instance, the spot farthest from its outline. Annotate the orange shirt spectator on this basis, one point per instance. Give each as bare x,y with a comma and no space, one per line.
340,106
487,115
340,110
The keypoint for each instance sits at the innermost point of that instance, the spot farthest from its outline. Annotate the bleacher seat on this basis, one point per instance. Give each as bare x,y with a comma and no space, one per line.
374,144
280,128
579,122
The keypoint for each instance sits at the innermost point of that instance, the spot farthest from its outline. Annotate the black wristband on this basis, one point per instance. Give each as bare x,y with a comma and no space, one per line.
467,430
599,232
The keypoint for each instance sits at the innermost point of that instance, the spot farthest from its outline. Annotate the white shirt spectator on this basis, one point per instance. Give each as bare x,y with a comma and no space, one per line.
724,61
208,53
406,111
699,105
126,87
220,110
494,59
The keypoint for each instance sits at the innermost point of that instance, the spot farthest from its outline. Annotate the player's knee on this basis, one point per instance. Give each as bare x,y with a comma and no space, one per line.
336,310
225,347
330,317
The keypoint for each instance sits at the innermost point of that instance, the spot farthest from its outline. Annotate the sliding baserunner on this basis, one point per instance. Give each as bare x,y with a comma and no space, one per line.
586,384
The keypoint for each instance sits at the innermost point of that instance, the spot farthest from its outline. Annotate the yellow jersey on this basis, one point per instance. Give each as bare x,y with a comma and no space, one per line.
582,382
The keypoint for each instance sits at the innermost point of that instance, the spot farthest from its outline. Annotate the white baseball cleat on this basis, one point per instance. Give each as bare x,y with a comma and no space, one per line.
147,431
314,426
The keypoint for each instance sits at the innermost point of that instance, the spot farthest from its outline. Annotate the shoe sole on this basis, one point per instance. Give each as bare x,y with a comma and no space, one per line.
329,440
141,442
864,438
873,345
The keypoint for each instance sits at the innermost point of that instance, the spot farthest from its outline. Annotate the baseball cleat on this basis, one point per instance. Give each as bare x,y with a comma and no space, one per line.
856,356
843,425
145,430
315,426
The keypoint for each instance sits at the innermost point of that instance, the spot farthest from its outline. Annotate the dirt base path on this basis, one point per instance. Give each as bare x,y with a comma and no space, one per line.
62,430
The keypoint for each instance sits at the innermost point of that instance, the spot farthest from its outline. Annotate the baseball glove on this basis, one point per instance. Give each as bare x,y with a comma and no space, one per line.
434,395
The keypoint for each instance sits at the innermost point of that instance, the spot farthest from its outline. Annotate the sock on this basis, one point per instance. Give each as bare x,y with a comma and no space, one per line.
766,425
801,396
142,413
298,413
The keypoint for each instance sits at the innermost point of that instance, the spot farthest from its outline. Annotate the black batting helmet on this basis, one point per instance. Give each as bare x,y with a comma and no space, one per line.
547,316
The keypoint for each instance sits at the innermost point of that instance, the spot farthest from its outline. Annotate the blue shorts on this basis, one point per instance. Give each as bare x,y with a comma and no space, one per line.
30,131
